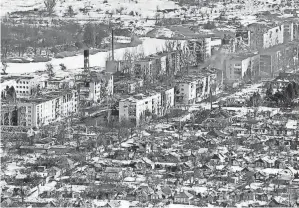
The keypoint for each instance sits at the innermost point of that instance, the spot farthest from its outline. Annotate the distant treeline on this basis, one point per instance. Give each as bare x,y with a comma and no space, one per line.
17,40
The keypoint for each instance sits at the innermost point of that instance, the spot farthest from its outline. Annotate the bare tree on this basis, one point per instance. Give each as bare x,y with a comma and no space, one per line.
70,11
49,68
140,54
170,46
128,56
50,5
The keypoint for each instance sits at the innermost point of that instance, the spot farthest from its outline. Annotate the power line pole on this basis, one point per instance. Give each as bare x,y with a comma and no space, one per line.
211,103
22,192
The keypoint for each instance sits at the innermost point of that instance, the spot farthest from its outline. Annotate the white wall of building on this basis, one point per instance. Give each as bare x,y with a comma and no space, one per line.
24,86
208,46
273,36
110,85
188,91
234,65
163,64
135,107
44,112
95,91
169,94
245,65
216,42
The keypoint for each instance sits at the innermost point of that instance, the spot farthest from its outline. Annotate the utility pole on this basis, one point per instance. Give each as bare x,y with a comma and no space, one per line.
22,192
187,65
289,197
211,103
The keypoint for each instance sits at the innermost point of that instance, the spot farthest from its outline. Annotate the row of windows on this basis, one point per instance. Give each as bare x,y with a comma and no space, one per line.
22,87
23,82
22,92
53,114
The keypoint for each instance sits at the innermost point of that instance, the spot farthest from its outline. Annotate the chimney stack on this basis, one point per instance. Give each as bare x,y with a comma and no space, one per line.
112,42
86,60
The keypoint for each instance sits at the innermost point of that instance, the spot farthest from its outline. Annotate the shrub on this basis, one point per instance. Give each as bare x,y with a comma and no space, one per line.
79,44
59,56
54,50
209,26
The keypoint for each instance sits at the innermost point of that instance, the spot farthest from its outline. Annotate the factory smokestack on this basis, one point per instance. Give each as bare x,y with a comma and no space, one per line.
86,60
112,43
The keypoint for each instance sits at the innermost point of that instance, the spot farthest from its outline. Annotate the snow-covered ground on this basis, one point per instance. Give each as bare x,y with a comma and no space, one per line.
13,168
148,46
19,5
136,12
97,8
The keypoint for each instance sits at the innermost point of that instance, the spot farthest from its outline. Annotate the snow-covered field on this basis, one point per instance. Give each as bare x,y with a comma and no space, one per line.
149,46
134,11
142,7
97,8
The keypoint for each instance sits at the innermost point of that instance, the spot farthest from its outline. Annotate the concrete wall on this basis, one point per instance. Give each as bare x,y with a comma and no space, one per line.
273,36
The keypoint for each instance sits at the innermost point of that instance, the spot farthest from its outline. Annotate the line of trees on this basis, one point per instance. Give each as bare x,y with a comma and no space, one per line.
21,38
93,35
67,36
285,96
10,94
